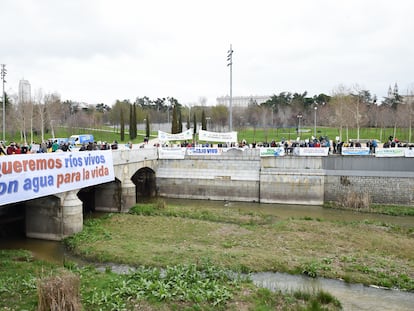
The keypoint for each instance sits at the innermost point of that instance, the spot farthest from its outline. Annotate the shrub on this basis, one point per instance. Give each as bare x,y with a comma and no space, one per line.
59,293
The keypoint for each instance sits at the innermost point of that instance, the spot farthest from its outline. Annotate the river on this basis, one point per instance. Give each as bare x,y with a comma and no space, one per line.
352,296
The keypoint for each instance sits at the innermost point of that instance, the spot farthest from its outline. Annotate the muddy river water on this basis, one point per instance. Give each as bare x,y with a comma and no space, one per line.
352,296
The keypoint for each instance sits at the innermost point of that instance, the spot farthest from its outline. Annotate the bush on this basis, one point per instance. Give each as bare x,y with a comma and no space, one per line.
356,201
59,293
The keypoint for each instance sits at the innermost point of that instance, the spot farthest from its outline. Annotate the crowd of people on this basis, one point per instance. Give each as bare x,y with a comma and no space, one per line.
53,146
335,147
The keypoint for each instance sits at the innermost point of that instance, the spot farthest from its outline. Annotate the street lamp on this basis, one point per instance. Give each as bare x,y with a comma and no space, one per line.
299,116
208,123
3,75
314,124
230,64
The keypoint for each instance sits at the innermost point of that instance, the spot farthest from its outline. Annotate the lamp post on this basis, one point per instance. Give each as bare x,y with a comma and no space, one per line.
299,116
208,123
314,124
230,64
3,75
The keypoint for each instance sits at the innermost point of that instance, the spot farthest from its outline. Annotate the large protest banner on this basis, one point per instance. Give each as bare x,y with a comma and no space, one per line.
28,176
163,136
226,137
389,152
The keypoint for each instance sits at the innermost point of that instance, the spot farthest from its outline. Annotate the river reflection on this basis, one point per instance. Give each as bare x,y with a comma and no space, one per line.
352,297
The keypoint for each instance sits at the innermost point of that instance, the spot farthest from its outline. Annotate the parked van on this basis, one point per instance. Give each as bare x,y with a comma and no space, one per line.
81,139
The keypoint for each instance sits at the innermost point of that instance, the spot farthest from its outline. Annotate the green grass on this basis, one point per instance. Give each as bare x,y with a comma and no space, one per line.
392,210
259,135
277,134
197,286
104,134
358,251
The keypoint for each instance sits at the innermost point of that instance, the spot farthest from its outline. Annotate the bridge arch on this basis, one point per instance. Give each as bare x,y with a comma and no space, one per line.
145,183
104,197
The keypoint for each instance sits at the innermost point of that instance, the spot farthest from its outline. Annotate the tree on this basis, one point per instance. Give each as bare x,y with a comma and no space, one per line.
147,127
219,114
195,126
122,125
180,121
203,121
357,107
175,119
132,122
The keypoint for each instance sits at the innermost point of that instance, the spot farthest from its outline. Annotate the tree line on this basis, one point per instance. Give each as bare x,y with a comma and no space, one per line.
345,108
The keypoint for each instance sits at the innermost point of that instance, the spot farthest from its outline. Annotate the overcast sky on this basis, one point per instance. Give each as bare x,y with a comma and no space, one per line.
102,50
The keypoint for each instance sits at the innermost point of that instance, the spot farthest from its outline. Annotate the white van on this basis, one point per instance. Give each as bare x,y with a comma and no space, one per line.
79,140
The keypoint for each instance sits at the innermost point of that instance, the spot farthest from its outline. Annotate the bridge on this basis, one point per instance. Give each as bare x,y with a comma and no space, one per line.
56,216
234,175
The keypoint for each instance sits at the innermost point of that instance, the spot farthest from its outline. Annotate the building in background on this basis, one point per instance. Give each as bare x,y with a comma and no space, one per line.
25,92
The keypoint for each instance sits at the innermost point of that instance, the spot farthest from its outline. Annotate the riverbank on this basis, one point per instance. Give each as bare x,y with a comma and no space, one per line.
182,287
187,234
159,235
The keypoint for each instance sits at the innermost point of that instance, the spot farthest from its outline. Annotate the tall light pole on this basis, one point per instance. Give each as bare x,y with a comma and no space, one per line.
299,116
3,75
230,64
314,124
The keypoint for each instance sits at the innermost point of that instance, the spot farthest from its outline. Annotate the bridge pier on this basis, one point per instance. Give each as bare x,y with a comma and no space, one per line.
128,196
54,217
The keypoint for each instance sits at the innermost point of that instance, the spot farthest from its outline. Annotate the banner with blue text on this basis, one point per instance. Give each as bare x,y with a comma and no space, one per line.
29,176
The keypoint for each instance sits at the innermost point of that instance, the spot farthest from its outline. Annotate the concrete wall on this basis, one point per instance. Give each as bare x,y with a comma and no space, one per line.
386,180
244,176
231,176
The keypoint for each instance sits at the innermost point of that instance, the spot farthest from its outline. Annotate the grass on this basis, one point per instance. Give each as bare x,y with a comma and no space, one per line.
107,135
359,252
392,210
250,134
200,286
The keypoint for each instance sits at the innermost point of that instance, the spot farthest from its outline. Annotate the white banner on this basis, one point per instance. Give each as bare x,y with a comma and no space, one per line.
228,137
409,152
272,152
163,136
171,153
28,176
389,152
355,151
203,151
311,151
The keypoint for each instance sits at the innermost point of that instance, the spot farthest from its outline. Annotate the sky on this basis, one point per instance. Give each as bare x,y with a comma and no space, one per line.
98,51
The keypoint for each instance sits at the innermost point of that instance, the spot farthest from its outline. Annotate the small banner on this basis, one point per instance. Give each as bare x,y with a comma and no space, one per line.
29,176
311,151
204,151
355,151
390,152
409,152
272,152
228,137
187,135
176,153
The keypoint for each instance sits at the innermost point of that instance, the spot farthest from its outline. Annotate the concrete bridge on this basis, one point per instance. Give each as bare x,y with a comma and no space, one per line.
234,175
55,217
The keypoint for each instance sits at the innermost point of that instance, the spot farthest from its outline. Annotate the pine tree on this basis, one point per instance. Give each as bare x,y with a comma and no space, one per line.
174,122
203,121
122,125
147,127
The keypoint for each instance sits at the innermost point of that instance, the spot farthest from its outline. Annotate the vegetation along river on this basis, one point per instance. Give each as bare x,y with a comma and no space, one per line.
352,296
